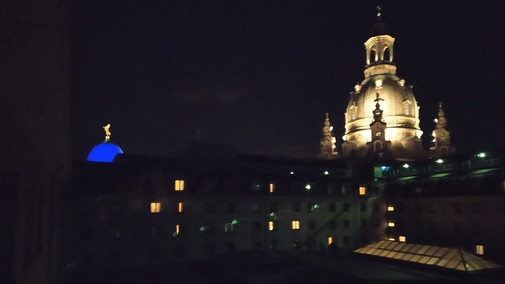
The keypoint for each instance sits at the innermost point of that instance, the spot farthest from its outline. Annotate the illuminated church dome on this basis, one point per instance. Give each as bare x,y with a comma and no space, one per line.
400,110
106,151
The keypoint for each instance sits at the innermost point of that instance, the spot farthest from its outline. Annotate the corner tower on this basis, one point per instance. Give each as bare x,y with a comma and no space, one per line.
400,108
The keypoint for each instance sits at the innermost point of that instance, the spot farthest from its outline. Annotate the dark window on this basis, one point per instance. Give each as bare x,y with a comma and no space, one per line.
345,207
346,241
331,207
477,228
345,223
296,207
255,207
419,208
257,245
332,224
458,227
256,226
273,245
312,224
433,208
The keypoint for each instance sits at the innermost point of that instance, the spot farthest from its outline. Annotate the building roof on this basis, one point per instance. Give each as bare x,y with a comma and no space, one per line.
444,257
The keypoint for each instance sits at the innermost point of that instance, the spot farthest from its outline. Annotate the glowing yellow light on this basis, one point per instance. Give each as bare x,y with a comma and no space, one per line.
330,240
362,190
155,207
180,207
391,224
177,229
271,188
308,187
107,132
378,83
295,225
270,225
391,239
479,249
179,185
402,239
391,208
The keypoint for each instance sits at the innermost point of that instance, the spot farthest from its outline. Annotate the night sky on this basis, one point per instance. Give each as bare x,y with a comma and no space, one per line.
260,75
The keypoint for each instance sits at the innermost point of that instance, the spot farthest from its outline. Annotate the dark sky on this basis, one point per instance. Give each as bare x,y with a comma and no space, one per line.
261,74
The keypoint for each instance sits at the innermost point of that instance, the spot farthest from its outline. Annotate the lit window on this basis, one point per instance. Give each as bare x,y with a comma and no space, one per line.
180,207
330,240
391,224
155,207
177,229
271,226
295,225
391,208
362,190
479,249
402,239
271,188
179,185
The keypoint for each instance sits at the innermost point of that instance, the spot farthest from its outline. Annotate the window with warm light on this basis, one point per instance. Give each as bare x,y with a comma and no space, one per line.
271,225
362,190
180,207
271,188
179,185
391,239
330,240
177,229
391,208
479,249
155,207
391,224
295,225
402,239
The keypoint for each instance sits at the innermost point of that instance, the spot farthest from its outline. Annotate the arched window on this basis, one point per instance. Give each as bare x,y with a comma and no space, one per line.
386,55
353,110
373,56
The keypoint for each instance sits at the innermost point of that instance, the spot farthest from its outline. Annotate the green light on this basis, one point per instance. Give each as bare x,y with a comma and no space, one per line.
174,234
406,166
314,207
481,155
439,161
326,173
307,187
272,214
440,175
234,221
201,229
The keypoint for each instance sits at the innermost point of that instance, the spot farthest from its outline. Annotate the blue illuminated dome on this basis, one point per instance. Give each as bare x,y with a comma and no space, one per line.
104,152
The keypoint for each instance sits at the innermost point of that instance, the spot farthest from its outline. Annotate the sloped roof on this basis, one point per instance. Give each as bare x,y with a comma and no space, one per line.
449,258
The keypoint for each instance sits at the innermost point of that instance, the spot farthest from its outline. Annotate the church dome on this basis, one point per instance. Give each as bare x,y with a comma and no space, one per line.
383,89
106,151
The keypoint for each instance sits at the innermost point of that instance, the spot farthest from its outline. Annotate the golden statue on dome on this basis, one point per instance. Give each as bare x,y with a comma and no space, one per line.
107,132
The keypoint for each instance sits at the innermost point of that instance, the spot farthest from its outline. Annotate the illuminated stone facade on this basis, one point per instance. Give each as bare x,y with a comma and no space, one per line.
441,136
399,106
328,142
